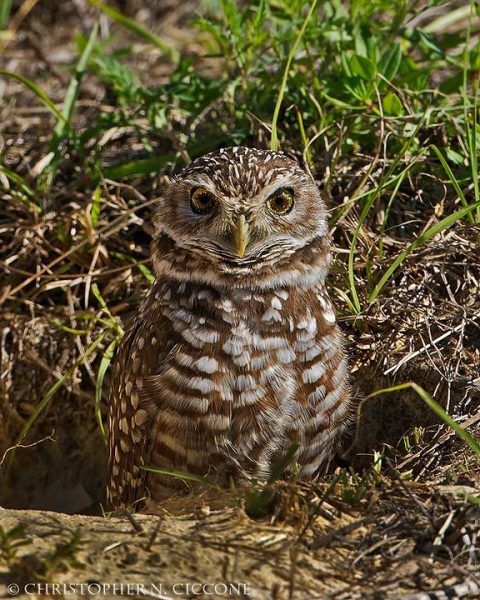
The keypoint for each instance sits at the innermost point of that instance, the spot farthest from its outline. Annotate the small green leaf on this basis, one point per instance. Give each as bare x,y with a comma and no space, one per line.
233,16
455,157
346,64
341,103
360,43
392,105
279,469
61,131
473,499
96,206
390,62
363,67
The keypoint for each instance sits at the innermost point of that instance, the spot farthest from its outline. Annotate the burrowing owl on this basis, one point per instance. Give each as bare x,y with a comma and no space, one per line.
235,355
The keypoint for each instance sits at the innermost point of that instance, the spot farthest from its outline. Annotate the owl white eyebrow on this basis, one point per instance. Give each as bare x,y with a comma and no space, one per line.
281,182
204,182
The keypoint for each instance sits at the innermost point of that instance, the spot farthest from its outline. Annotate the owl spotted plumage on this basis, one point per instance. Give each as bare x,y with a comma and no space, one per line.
235,354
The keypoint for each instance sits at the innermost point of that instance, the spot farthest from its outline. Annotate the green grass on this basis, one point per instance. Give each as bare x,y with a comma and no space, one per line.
39,93
339,83
301,72
10,542
62,129
274,143
143,32
471,442
5,8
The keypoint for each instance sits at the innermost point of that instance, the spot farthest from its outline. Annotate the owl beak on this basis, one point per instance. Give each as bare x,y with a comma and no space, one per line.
242,235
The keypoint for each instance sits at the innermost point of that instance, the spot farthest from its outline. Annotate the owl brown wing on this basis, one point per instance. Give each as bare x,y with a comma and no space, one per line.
131,412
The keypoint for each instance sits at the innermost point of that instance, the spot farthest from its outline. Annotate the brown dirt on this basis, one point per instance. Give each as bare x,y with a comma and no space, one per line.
380,548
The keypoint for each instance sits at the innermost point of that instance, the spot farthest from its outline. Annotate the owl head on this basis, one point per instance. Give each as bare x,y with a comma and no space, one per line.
243,210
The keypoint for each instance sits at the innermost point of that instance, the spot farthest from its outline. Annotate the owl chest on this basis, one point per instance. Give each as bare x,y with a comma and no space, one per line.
233,355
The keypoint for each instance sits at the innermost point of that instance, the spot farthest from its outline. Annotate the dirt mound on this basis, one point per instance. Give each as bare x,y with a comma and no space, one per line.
317,543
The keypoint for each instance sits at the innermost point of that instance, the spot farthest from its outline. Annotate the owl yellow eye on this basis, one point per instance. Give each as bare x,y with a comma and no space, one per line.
202,201
281,202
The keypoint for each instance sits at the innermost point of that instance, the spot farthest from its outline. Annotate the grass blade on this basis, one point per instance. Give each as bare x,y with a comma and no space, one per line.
96,206
113,321
102,369
185,476
472,146
355,300
279,469
371,198
41,95
74,87
5,8
144,270
138,167
274,145
19,181
42,405
472,443
143,32
452,179
471,132
425,237
63,125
